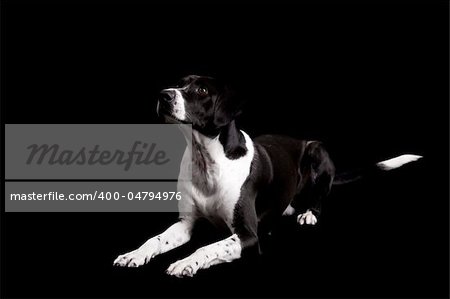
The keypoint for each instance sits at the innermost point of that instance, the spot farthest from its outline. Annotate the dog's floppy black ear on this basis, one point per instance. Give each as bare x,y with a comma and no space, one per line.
228,107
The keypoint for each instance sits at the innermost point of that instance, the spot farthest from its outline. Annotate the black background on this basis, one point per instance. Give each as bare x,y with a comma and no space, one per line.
368,80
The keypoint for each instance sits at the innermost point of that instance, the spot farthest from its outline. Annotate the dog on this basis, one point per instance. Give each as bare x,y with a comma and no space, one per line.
242,184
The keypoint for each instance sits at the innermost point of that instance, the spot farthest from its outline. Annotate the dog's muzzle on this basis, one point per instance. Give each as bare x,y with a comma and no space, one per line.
165,106
167,95
165,99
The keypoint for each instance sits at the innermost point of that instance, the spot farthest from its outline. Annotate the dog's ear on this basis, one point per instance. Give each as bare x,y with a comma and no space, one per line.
228,106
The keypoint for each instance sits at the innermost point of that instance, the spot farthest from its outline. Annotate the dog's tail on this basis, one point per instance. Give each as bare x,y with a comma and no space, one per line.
349,177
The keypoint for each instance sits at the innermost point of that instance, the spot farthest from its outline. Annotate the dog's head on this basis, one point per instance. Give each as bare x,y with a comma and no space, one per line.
204,102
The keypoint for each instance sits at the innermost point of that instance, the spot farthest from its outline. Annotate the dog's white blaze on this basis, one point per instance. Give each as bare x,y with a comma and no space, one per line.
179,105
397,161
224,251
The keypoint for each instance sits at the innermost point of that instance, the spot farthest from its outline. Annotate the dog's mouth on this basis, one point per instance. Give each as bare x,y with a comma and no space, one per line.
165,114
169,119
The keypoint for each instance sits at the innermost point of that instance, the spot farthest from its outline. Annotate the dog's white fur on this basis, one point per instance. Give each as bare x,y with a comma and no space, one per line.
175,236
307,218
289,211
397,162
220,252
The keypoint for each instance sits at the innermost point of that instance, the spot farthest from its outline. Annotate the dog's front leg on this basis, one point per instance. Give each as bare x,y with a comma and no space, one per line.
176,235
244,228
223,251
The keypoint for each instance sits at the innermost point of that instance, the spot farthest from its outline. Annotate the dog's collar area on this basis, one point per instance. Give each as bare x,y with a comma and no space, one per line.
229,136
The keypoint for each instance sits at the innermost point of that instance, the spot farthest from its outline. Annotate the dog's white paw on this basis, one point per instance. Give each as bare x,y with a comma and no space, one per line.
307,218
132,259
185,267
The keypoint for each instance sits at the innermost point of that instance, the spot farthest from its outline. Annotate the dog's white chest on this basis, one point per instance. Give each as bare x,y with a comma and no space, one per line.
228,179
224,179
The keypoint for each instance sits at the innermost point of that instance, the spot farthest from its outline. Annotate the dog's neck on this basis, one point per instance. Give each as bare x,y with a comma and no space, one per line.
210,153
229,143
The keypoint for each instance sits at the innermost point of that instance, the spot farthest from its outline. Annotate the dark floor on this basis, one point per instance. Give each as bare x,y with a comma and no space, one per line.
382,237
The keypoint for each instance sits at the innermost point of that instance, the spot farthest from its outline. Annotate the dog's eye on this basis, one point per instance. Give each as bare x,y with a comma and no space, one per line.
202,91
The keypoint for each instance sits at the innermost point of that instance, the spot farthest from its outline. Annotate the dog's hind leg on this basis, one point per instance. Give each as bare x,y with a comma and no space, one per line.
290,210
319,170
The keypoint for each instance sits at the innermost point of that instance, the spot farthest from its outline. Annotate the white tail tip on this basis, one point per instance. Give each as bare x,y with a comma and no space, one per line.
397,161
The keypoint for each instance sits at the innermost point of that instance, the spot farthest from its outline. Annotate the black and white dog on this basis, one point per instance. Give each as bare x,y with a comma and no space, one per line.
237,182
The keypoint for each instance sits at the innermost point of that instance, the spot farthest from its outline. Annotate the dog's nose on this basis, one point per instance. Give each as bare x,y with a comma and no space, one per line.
167,95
